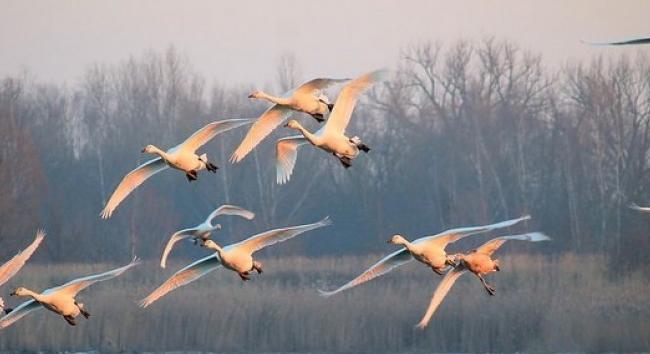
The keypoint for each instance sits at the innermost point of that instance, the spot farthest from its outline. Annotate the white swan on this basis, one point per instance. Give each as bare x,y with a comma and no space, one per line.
331,137
635,206
13,266
61,299
307,98
627,41
429,250
202,231
181,157
480,263
237,257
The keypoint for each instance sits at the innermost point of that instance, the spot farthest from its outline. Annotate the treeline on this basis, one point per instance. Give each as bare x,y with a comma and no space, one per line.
469,133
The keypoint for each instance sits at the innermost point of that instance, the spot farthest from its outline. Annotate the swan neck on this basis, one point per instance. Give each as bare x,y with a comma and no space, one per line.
34,295
273,99
306,133
160,153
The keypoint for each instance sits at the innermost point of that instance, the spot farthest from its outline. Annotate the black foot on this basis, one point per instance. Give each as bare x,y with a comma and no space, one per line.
491,290
346,161
364,148
330,106
211,167
319,117
7,310
70,320
497,268
257,266
244,276
437,271
191,176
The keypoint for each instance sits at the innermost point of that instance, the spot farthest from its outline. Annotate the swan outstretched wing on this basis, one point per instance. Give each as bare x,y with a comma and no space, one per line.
441,291
228,209
309,87
347,99
19,312
265,124
177,236
444,238
628,41
130,182
210,130
272,237
9,269
635,206
385,265
183,277
286,150
73,287
494,244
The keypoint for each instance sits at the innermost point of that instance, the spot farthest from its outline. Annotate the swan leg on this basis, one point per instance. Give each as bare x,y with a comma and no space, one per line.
257,266
191,176
319,117
83,311
346,161
244,276
490,289
70,320
211,167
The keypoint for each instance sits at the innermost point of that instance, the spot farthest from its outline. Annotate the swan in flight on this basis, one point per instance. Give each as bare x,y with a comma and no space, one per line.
628,41
429,250
635,206
13,266
307,98
479,262
331,137
201,232
237,257
182,157
61,299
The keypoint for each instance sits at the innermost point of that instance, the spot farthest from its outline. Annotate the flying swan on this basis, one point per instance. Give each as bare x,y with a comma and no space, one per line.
429,250
182,157
635,206
331,137
202,232
61,299
627,41
13,266
479,262
307,98
237,257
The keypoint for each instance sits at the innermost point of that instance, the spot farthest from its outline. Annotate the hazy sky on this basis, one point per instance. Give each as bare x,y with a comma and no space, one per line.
240,41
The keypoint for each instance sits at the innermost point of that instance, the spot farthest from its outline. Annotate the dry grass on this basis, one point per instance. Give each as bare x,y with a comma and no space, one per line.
562,304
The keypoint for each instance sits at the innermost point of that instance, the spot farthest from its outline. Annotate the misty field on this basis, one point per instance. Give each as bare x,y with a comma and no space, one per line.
543,303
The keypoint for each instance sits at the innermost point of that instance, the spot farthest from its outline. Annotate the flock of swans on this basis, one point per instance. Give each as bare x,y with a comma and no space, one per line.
331,137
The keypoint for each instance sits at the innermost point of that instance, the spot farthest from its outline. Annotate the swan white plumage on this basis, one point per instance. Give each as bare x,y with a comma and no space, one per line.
429,250
181,157
60,299
307,98
331,137
13,266
202,231
480,263
237,257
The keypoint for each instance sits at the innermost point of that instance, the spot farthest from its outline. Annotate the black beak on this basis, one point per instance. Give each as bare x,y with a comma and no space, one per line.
13,294
388,241
142,151
286,125
250,96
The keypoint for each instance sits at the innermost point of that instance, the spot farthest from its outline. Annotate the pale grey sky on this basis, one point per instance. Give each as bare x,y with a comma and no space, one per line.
238,42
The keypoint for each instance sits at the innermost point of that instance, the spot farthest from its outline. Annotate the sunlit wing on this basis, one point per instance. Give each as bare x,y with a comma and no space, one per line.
272,237
205,134
177,236
382,267
183,277
444,238
9,269
635,206
629,41
286,150
130,182
19,312
309,87
441,291
494,244
233,210
73,287
265,124
347,99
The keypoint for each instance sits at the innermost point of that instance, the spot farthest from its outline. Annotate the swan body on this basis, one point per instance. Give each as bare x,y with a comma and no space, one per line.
331,137
307,98
237,257
182,157
61,299
429,250
479,262
203,231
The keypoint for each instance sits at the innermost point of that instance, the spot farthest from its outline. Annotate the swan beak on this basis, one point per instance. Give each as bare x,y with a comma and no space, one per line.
251,96
388,241
13,294
142,151
286,125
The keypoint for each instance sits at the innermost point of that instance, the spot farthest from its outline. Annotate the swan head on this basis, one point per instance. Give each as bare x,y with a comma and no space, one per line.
255,94
293,124
209,244
397,239
20,292
150,149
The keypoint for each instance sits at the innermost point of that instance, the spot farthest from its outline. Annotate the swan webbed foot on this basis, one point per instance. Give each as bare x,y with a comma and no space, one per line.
437,271
70,320
489,288
345,161
330,106
257,266
191,176
244,276
82,309
319,117
211,167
